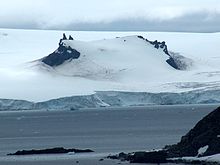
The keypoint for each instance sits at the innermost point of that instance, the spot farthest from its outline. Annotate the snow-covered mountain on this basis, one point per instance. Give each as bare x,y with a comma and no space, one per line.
186,65
121,58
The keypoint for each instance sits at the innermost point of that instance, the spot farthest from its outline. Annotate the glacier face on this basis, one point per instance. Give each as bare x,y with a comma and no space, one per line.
10,104
115,99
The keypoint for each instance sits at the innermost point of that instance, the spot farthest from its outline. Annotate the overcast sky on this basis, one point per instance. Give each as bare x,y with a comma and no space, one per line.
152,15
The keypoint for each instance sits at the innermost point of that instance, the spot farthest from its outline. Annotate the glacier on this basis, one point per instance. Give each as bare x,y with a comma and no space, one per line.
102,99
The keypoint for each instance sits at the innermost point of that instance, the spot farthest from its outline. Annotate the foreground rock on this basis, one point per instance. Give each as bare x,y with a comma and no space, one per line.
142,157
58,150
149,157
202,140
184,161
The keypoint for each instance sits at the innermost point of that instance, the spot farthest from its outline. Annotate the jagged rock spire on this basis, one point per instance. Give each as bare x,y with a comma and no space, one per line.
70,37
64,36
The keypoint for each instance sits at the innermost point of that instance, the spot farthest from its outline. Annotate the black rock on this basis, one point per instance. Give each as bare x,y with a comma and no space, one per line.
173,63
175,60
58,150
141,37
61,55
61,40
142,157
205,133
81,151
70,37
113,157
64,36
157,44
162,44
125,157
166,50
149,157
179,62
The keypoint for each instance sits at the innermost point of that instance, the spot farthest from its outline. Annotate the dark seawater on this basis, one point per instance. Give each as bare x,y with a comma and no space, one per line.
105,130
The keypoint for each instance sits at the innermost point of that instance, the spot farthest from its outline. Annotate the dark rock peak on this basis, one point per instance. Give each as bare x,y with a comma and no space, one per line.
179,62
175,60
205,133
62,54
149,157
142,157
64,36
70,37
141,37
157,44
172,63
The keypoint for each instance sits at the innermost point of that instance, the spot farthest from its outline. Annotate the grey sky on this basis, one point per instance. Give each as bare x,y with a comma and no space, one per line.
158,15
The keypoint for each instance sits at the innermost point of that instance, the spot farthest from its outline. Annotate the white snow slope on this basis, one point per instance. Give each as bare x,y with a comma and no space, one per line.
113,64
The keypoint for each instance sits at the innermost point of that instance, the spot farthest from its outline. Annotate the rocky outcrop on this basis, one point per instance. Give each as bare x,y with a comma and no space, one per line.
142,157
175,60
162,45
202,140
205,133
179,62
149,157
62,54
70,37
58,150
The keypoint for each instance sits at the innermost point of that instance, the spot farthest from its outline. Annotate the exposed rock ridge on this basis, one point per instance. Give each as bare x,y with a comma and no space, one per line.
175,60
205,133
62,54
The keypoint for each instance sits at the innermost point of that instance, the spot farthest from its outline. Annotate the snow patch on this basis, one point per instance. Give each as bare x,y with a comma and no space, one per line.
202,150
209,159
